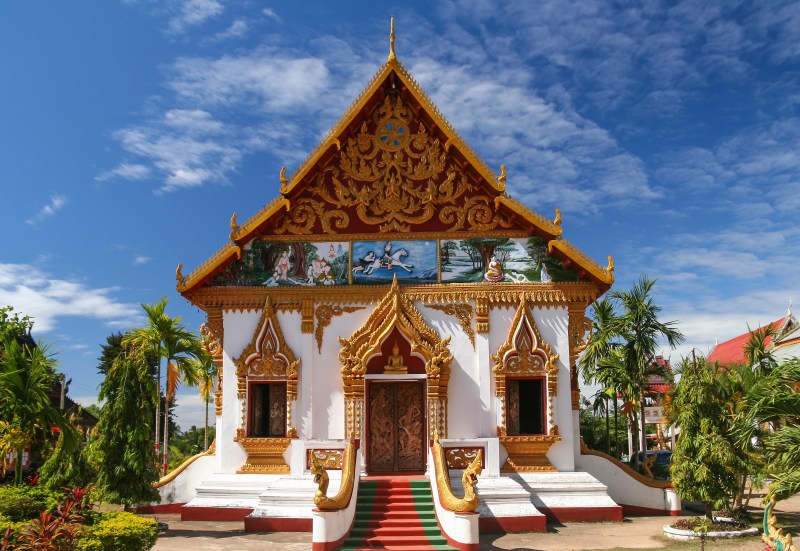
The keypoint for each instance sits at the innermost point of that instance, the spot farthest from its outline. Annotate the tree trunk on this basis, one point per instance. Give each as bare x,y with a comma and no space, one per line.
608,430
205,432
158,406
166,438
299,268
18,467
634,424
616,429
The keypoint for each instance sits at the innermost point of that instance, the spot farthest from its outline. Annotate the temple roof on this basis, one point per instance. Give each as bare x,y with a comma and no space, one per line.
390,167
733,351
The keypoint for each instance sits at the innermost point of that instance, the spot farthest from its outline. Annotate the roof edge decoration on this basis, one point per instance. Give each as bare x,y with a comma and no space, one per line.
510,208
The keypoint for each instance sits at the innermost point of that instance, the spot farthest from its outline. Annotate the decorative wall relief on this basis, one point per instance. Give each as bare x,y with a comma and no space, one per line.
413,262
503,259
292,263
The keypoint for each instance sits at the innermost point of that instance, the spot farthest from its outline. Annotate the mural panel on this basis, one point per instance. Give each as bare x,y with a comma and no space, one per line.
377,262
276,264
516,260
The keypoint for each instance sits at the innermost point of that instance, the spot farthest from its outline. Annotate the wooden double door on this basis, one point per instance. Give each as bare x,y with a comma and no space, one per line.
396,426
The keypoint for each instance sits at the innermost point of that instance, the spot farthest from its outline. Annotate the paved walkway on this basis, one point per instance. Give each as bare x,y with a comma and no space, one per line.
633,533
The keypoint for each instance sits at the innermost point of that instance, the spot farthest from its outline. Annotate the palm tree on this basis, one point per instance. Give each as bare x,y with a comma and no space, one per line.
207,370
26,376
756,352
633,337
167,338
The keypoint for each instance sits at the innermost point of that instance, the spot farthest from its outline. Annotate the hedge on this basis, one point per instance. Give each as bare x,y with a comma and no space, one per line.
120,532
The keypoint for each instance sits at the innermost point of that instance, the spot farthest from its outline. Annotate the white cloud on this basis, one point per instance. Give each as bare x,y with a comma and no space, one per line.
125,171
57,202
190,409
140,260
47,299
193,13
237,29
269,12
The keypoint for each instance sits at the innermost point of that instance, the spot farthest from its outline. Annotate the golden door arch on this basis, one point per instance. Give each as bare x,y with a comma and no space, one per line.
395,322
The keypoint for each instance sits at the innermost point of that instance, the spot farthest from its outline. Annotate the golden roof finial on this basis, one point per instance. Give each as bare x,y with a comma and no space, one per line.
557,220
284,181
234,227
179,277
391,40
501,180
610,267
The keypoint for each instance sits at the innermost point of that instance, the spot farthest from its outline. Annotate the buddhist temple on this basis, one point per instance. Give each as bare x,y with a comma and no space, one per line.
395,302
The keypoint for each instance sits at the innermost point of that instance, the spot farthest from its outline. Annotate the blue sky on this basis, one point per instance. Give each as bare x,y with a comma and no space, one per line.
666,133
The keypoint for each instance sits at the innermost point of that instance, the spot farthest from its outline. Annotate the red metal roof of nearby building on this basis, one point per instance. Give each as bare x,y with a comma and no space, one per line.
732,351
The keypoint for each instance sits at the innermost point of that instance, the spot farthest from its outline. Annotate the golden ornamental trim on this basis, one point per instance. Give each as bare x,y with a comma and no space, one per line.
461,457
395,312
525,354
605,275
540,294
325,313
774,537
331,459
469,479
463,313
528,454
172,475
342,499
227,251
264,455
553,228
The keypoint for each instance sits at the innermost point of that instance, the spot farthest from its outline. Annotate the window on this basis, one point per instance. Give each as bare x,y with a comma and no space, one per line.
525,400
267,410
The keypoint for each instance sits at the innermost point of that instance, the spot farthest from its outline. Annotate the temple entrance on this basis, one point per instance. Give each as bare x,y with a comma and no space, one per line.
396,426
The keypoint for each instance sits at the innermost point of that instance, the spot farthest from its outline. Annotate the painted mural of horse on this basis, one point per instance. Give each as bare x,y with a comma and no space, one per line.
386,261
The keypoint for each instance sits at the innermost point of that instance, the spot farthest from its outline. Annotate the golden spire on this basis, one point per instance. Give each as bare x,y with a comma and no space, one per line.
284,181
391,41
234,228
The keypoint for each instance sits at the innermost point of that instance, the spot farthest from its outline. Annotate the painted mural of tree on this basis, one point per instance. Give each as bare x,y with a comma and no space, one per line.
447,248
484,248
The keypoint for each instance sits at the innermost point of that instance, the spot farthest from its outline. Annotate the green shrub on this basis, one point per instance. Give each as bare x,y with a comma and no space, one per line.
20,503
120,532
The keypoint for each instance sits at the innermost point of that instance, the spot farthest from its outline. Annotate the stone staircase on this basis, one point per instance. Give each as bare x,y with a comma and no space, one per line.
396,514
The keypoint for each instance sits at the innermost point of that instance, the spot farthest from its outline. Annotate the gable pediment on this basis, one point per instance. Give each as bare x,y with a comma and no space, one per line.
392,168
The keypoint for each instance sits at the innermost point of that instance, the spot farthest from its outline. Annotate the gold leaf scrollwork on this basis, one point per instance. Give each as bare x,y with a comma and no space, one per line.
392,174
463,313
325,313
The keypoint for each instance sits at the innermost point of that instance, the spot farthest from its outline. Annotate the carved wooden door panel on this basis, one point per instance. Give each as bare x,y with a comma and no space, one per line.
396,427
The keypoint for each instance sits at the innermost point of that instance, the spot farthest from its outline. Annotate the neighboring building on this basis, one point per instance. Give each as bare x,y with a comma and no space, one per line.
394,292
784,343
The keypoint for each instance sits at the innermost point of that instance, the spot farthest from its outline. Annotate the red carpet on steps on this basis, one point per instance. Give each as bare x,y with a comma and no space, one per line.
396,514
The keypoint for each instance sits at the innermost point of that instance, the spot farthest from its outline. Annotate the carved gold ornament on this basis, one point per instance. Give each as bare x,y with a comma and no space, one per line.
460,458
325,313
330,459
269,358
773,536
395,312
264,455
211,334
528,453
392,174
525,354
469,480
463,313
342,499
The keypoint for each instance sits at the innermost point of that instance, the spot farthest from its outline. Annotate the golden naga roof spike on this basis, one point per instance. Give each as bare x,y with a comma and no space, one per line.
179,277
610,267
501,180
284,181
557,221
234,228
391,57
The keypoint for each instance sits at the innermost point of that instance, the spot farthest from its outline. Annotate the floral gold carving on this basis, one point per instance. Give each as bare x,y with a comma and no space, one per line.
211,333
525,354
264,455
330,459
395,311
460,458
267,357
528,453
307,311
579,332
393,174
463,313
482,315
325,313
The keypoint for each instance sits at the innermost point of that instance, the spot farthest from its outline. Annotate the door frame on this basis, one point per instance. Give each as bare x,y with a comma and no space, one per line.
408,378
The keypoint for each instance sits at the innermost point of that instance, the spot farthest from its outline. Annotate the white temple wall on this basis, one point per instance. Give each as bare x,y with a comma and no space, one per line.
467,407
238,331
328,391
